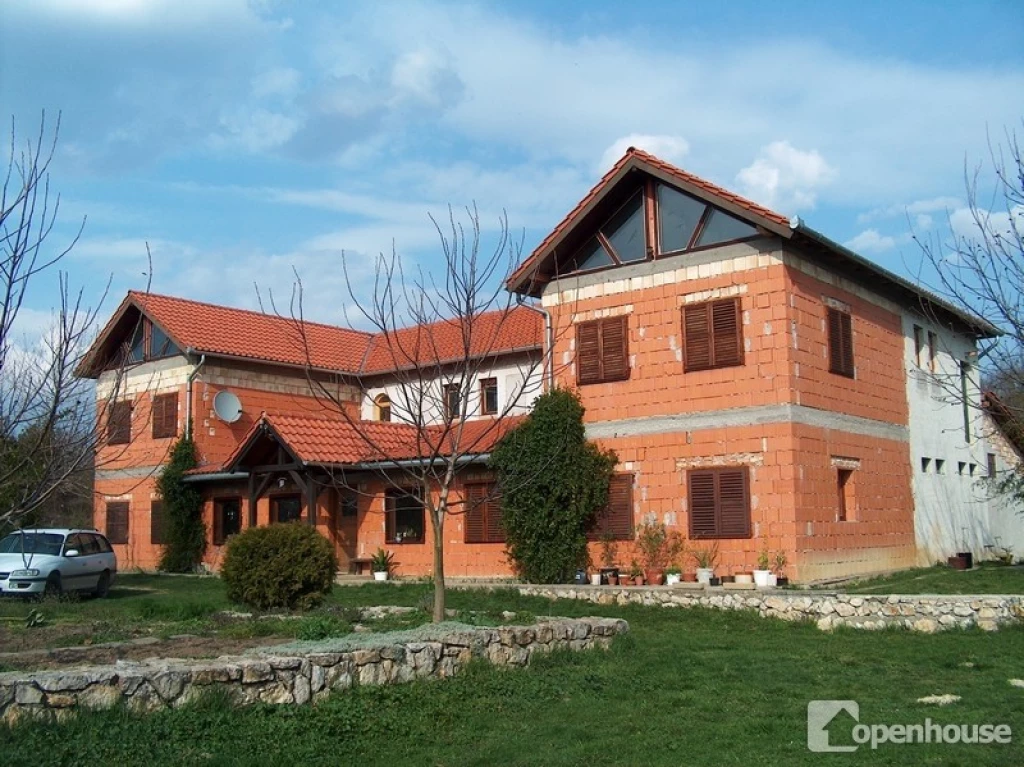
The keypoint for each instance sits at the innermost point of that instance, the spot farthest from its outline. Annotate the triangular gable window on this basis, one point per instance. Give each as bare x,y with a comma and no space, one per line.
592,256
686,222
625,231
146,342
721,227
160,345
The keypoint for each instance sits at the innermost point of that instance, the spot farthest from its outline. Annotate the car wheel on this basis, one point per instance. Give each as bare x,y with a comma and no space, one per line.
102,585
53,586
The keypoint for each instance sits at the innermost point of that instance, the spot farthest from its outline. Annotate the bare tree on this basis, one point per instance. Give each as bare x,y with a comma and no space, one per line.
435,340
48,417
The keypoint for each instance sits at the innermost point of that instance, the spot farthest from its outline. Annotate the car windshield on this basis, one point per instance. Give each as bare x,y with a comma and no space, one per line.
32,543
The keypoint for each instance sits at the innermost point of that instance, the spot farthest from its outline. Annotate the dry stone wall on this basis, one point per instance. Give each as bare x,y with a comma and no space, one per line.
297,673
924,612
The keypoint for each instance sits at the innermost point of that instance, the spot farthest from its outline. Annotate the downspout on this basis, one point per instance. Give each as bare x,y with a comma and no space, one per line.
549,343
188,391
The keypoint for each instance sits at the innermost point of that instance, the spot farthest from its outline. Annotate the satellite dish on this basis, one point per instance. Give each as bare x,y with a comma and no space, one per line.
227,406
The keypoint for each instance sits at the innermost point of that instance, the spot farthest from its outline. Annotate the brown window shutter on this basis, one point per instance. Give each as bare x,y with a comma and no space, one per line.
156,523
733,503
615,519
726,330
119,423
117,522
495,530
615,349
476,523
703,522
840,342
165,415
389,518
697,338
218,524
588,352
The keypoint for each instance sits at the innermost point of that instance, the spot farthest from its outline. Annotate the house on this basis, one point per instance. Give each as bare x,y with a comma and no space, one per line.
760,384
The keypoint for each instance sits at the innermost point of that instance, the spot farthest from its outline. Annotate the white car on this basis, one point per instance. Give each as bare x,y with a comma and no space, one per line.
53,561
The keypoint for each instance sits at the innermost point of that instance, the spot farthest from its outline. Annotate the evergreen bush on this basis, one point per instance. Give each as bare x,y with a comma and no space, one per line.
184,530
284,565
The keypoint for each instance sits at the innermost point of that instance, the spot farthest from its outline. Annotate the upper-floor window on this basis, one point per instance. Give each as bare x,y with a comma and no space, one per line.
147,342
382,407
840,342
489,396
918,345
602,350
713,335
719,502
933,351
684,223
452,401
165,415
119,423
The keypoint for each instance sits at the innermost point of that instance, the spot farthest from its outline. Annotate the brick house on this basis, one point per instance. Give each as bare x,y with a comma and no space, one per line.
754,378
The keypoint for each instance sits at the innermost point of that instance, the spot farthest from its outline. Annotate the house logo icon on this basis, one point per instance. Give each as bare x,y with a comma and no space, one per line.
820,715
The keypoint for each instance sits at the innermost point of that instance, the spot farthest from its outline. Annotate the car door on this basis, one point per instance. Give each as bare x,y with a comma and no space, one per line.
74,570
90,554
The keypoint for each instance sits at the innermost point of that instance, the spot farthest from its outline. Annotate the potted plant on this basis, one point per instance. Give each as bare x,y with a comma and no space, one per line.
382,562
672,575
762,575
651,539
705,558
609,553
745,577
636,574
675,549
780,567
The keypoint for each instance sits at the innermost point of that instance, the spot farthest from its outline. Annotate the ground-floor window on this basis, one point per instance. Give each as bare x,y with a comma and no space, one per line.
227,519
719,502
286,508
117,521
483,514
404,517
616,519
156,523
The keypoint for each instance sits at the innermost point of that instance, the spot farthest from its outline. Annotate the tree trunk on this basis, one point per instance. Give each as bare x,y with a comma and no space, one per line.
437,522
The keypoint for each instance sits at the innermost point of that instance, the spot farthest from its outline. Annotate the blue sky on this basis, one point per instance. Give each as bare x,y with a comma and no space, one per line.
245,139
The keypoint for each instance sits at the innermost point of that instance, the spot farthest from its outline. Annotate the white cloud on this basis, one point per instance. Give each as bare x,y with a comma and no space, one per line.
1007,225
669,148
915,208
279,81
786,178
870,241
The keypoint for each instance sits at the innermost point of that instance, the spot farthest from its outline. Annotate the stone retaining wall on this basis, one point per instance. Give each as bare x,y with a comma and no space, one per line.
923,612
296,673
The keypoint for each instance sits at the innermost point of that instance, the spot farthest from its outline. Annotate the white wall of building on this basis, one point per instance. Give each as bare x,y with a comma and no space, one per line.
955,506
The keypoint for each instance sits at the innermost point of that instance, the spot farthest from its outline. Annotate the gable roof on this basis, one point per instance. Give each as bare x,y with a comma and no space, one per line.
336,441
222,331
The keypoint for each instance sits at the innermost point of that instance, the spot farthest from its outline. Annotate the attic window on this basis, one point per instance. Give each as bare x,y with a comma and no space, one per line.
619,241
685,223
147,342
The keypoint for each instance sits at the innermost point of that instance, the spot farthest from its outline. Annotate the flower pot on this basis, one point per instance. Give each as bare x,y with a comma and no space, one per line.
638,580
595,579
704,574
773,580
613,580
957,563
654,577
689,577
745,578
728,579
671,579
607,573
968,557
782,580
762,578
380,575
715,581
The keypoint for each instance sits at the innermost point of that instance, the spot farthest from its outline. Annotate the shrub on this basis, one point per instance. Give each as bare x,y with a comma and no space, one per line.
184,530
289,565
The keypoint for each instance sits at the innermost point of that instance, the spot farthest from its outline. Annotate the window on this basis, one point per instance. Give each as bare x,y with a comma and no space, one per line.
719,503
926,464
991,465
227,519
452,401
489,396
845,493
615,519
119,423
404,518
285,508
382,404
602,352
840,342
918,344
965,371
972,468
621,240
678,216
89,544
348,505
721,227
156,523
933,352
713,335
483,514
940,465
147,342
165,415
117,521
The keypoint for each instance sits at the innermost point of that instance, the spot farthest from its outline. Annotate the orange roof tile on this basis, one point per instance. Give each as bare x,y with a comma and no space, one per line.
505,331
637,158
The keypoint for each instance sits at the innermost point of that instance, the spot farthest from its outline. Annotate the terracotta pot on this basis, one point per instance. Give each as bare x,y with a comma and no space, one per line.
613,580
689,577
655,577
638,580
957,563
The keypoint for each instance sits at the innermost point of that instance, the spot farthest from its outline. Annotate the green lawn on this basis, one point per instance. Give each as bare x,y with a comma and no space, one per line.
987,578
685,687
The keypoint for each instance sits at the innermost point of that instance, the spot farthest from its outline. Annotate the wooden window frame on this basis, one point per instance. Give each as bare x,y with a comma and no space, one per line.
390,518
619,485
714,339
843,487
275,499
219,537
157,523
119,422
491,531
720,529
119,507
382,407
602,328
933,351
485,384
165,415
452,408
918,345
840,342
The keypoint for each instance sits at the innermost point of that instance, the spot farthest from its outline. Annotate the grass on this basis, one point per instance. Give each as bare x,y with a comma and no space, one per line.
685,687
987,578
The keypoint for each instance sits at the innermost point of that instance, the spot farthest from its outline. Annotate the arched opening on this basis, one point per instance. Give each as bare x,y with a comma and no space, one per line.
382,404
